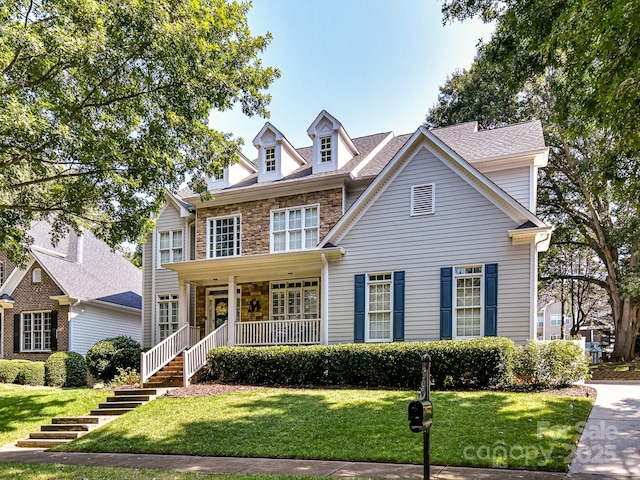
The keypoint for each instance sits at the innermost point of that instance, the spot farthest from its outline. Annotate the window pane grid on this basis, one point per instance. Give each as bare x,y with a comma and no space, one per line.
301,300
468,301
295,229
167,315
224,237
325,149
170,246
379,306
36,331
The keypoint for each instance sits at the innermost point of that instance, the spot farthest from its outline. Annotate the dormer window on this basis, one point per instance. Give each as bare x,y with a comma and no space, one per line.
270,159
325,149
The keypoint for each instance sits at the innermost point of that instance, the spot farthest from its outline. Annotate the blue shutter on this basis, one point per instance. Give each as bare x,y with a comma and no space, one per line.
358,311
446,295
398,306
491,300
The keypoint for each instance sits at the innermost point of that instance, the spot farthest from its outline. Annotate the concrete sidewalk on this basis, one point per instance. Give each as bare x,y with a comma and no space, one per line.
610,441
318,468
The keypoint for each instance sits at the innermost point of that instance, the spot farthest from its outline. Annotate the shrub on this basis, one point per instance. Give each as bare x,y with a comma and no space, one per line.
556,363
106,356
125,376
9,370
65,369
477,363
31,373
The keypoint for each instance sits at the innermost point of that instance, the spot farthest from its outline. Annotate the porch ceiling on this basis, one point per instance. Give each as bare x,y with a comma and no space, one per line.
270,266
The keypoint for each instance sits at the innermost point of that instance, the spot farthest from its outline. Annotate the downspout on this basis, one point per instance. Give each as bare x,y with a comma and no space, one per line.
534,300
325,299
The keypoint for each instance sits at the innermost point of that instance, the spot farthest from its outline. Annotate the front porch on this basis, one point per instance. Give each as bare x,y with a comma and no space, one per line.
280,299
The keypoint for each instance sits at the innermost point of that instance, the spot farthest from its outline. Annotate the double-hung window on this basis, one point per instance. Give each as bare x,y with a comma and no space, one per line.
223,236
170,246
270,159
36,331
379,304
468,301
167,315
555,320
295,228
325,149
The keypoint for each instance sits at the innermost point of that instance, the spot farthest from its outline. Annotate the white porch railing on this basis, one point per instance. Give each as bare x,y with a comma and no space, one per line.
194,335
278,332
196,357
164,352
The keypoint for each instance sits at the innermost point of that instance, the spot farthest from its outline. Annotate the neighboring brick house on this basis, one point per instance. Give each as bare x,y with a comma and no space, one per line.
67,297
376,238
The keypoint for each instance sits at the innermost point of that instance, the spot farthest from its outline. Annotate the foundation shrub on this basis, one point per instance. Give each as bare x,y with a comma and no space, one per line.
106,356
65,369
9,370
461,364
554,364
31,373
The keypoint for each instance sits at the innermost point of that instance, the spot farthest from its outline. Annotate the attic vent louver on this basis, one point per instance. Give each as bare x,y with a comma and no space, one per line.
422,199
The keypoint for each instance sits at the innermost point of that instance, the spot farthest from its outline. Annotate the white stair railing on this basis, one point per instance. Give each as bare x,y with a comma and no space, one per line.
163,353
196,357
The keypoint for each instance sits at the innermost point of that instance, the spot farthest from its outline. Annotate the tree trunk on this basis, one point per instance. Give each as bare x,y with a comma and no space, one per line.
627,324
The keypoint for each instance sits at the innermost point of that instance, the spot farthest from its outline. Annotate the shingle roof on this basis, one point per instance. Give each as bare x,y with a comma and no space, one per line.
464,139
472,145
102,274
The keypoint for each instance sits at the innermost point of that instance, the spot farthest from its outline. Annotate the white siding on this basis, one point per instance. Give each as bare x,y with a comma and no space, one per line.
352,196
516,182
465,229
91,323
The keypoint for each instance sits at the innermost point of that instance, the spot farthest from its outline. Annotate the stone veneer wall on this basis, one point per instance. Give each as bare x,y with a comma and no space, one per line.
30,297
256,218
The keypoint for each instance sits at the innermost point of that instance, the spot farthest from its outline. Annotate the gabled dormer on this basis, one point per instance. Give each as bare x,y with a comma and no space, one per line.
232,174
276,156
332,147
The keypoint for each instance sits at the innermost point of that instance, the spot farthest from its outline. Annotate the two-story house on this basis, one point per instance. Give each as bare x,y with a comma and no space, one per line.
68,296
425,236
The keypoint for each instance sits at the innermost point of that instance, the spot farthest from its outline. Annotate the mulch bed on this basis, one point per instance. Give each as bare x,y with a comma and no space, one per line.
211,389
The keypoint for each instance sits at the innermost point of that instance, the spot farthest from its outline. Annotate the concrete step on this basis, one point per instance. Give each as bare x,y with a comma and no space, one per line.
110,411
41,443
129,398
136,391
70,427
55,435
84,420
119,405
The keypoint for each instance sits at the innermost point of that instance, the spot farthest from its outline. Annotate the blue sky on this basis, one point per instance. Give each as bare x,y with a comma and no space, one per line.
375,65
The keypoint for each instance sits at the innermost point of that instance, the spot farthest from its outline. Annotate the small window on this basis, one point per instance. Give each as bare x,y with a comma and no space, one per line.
468,301
170,246
325,150
422,199
167,315
540,322
36,275
379,303
556,320
270,159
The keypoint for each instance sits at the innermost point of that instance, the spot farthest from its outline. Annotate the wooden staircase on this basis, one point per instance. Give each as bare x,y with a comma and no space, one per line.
171,375
65,429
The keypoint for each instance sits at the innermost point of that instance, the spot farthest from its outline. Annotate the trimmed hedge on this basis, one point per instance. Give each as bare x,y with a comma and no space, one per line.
9,370
65,369
470,364
106,356
31,373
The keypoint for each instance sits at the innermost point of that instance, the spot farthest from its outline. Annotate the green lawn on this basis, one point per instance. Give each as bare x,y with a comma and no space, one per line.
516,430
27,471
23,409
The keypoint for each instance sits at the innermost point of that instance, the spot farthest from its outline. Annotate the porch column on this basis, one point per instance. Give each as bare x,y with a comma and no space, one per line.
231,311
183,303
324,306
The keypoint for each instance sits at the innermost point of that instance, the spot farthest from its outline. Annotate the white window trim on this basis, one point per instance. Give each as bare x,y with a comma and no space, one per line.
323,150
366,306
31,350
171,247
286,231
172,299
36,275
211,253
413,212
454,315
286,290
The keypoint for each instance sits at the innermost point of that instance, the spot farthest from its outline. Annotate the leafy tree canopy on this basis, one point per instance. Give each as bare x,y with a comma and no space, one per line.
105,103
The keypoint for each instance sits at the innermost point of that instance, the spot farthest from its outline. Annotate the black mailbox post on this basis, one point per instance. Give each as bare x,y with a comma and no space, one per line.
421,413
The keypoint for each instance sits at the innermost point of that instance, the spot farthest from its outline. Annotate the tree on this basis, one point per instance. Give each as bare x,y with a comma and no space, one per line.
588,190
105,103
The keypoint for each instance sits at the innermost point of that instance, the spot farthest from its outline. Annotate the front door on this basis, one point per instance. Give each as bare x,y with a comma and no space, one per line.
218,309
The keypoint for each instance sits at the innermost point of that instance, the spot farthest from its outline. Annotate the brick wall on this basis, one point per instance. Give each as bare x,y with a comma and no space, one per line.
29,297
256,218
7,266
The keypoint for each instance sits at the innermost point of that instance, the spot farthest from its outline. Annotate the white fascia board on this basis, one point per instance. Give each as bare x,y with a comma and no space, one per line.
465,170
16,276
541,236
537,158
184,212
114,306
47,251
